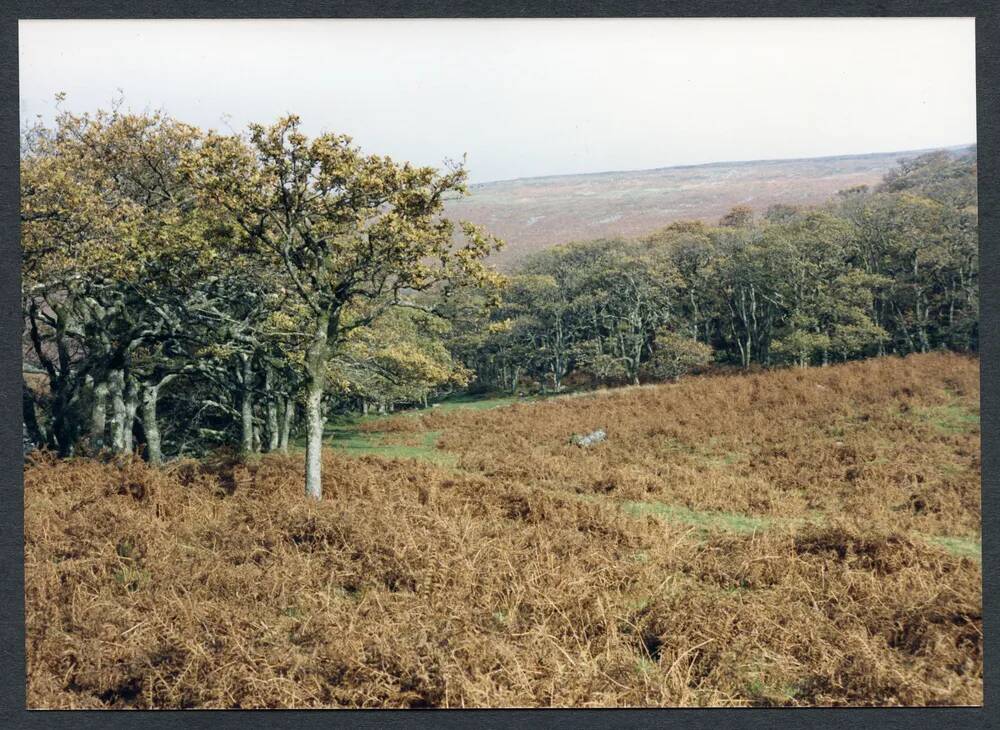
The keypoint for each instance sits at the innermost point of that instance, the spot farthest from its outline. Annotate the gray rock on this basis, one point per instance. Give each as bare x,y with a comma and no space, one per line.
590,439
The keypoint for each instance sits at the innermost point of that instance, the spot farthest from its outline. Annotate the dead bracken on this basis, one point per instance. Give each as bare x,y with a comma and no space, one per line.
788,545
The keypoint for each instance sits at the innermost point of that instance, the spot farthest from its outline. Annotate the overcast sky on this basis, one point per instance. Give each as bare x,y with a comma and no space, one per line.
533,97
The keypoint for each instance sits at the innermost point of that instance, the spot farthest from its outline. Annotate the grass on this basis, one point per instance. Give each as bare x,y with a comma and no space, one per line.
970,547
344,434
747,524
767,695
728,521
346,437
482,402
952,418
353,442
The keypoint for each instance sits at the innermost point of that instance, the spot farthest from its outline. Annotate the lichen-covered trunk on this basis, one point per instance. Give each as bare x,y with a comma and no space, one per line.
116,385
315,384
99,416
154,451
246,405
286,425
314,440
131,408
271,412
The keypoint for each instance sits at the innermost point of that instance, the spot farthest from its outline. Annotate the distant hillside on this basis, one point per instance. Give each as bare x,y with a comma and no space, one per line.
533,213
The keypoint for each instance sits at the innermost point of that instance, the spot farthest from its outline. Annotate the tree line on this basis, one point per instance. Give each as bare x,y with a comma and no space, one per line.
889,269
185,290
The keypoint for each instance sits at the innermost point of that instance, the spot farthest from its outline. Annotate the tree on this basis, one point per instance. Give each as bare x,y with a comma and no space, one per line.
343,229
692,249
638,291
602,367
398,359
751,273
675,355
541,314
739,216
826,300
109,239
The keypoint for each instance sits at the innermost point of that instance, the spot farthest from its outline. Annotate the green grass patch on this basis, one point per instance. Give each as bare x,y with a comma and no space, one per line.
728,521
950,469
966,547
707,521
467,401
951,418
387,446
726,458
344,433
645,666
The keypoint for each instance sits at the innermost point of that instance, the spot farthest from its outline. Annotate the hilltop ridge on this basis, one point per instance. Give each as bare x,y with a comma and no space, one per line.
536,212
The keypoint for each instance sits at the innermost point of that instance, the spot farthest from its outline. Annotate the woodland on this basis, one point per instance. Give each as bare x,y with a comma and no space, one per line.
185,291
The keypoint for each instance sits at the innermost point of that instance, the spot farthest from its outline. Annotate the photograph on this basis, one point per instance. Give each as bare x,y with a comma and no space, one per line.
489,363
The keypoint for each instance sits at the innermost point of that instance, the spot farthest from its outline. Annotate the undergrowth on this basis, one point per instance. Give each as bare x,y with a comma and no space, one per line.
788,538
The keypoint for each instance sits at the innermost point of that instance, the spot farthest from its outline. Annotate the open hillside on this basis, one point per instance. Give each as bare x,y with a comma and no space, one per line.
533,213
793,537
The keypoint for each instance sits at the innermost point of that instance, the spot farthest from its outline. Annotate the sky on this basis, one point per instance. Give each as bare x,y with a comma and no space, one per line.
532,97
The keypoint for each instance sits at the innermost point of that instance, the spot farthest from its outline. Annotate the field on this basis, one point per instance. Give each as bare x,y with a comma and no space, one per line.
794,537
533,213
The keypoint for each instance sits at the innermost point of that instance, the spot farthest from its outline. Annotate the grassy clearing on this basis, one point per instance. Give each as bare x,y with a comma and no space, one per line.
358,435
466,401
344,436
387,446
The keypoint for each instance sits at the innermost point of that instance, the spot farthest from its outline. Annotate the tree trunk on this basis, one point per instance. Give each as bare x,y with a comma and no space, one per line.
99,416
116,383
315,384
314,439
30,419
246,406
286,425
273,437
154,452
131,408
65,390
271,412
65,420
